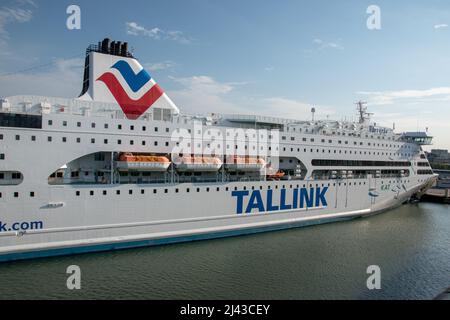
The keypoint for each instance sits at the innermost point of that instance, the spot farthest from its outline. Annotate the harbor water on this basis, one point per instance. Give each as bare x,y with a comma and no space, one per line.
410,244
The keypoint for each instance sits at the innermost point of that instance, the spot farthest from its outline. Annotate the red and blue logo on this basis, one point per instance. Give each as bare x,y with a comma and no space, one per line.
133,109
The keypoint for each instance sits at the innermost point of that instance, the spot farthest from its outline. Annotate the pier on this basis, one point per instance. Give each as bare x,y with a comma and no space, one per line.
437,195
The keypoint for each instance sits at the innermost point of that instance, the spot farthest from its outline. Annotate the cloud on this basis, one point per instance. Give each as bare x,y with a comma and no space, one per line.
11,15
320,44
269,68
391,97
159,65
155,33
62,79
204,95
440,26
26,2
178,36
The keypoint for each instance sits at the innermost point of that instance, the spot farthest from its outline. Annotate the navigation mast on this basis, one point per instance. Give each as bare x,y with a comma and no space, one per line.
362,110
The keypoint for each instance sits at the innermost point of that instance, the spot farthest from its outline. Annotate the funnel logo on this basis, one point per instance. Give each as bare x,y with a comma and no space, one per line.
133,109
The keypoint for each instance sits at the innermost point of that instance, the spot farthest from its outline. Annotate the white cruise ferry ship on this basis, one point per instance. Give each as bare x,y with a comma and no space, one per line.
121,167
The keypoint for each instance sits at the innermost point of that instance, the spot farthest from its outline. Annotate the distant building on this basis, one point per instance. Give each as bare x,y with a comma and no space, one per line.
439,157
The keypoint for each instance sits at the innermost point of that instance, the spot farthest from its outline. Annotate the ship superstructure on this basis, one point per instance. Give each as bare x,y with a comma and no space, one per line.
122,167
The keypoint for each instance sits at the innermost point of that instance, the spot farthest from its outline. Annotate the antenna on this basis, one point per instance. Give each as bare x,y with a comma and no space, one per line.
313,111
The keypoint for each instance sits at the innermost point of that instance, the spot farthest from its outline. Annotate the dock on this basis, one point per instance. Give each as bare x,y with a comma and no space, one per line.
437,195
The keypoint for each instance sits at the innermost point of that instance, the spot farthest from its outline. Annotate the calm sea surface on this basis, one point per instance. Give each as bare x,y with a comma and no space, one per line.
410,244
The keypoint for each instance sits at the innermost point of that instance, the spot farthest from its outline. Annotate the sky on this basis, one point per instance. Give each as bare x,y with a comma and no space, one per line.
276,58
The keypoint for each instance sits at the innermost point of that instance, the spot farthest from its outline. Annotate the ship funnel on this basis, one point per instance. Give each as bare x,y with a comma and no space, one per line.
113,75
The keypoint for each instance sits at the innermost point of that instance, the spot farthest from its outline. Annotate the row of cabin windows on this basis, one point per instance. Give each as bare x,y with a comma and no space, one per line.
16,194
424,172
346,142
14,176
188,190
352,152
144,128
358,163
423,164
33,138
106,126
156,129
354,143
341,133
78,140
130,192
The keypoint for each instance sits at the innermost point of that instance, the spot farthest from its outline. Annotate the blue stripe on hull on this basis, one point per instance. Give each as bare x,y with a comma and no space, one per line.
156,242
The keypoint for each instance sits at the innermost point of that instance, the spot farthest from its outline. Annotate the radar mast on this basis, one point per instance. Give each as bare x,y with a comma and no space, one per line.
362,110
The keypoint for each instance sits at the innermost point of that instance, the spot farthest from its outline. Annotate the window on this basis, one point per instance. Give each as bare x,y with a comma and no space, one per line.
119,127
49,139
32,194
93,124
131,127
50,122
2,156
119,141
132,142
105,141
106,126
15,120
17,137
99,157
92,140
78,124
33,138
16,175
16,194
78,140
144,128
91,193
64,123
77,193
1,137
359,163
156,129
64,139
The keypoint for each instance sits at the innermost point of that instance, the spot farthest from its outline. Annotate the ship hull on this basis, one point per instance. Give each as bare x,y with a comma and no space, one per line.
56,239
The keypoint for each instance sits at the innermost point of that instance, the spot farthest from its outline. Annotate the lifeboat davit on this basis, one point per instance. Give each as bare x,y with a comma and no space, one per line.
198,163
237,163
136,162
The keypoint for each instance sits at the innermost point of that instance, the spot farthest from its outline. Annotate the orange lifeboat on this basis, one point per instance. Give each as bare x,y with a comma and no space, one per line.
142,162
247,163
198,163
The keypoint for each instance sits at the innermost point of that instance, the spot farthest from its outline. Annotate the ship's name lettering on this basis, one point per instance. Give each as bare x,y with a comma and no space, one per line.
300,198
